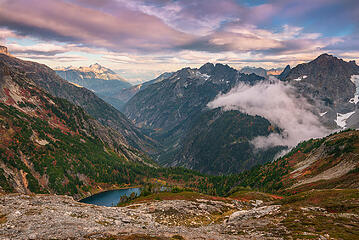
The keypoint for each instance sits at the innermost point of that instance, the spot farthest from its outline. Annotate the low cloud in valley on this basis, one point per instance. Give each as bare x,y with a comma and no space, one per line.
280,104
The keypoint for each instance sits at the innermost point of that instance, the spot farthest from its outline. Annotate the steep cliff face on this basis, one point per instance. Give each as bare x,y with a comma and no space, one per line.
282,76
327,77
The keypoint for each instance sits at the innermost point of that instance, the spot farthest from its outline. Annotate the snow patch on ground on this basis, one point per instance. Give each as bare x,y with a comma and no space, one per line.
341,120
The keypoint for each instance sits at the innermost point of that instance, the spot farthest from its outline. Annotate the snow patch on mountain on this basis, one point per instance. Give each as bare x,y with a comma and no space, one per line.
355,80
322,114
341,120
300,78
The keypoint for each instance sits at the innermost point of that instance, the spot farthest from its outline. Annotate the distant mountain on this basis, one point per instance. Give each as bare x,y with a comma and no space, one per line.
274,71
104,82
174,112
258,71
261,71
84,75
49,145
126,94
331,85
107,115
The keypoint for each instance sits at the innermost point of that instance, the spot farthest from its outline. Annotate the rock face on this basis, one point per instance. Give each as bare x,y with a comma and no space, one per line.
3,50
170,110
326,77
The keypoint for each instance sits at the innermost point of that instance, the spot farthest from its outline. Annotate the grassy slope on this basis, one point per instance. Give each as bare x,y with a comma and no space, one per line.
325,157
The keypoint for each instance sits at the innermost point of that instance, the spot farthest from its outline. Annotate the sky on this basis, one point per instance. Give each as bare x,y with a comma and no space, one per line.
140,39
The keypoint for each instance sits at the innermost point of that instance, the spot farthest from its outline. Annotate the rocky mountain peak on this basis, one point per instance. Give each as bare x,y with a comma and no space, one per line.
326,58
285,73
96,66
220,66
207,68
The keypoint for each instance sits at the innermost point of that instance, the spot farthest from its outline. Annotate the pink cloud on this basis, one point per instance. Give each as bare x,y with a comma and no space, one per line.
61,20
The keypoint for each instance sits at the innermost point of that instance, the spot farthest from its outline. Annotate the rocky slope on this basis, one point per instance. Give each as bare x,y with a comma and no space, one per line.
312,215
47,79
170,108
104,82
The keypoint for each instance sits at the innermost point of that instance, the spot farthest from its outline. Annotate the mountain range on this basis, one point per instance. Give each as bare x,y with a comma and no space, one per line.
175,112
170,117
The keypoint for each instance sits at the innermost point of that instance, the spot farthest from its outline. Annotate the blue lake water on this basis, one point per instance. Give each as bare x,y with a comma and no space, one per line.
110,198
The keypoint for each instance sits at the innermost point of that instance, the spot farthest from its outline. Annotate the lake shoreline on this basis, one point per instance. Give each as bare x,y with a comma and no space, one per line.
108,190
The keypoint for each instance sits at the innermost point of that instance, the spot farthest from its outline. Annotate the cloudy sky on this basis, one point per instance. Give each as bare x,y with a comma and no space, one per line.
142,38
